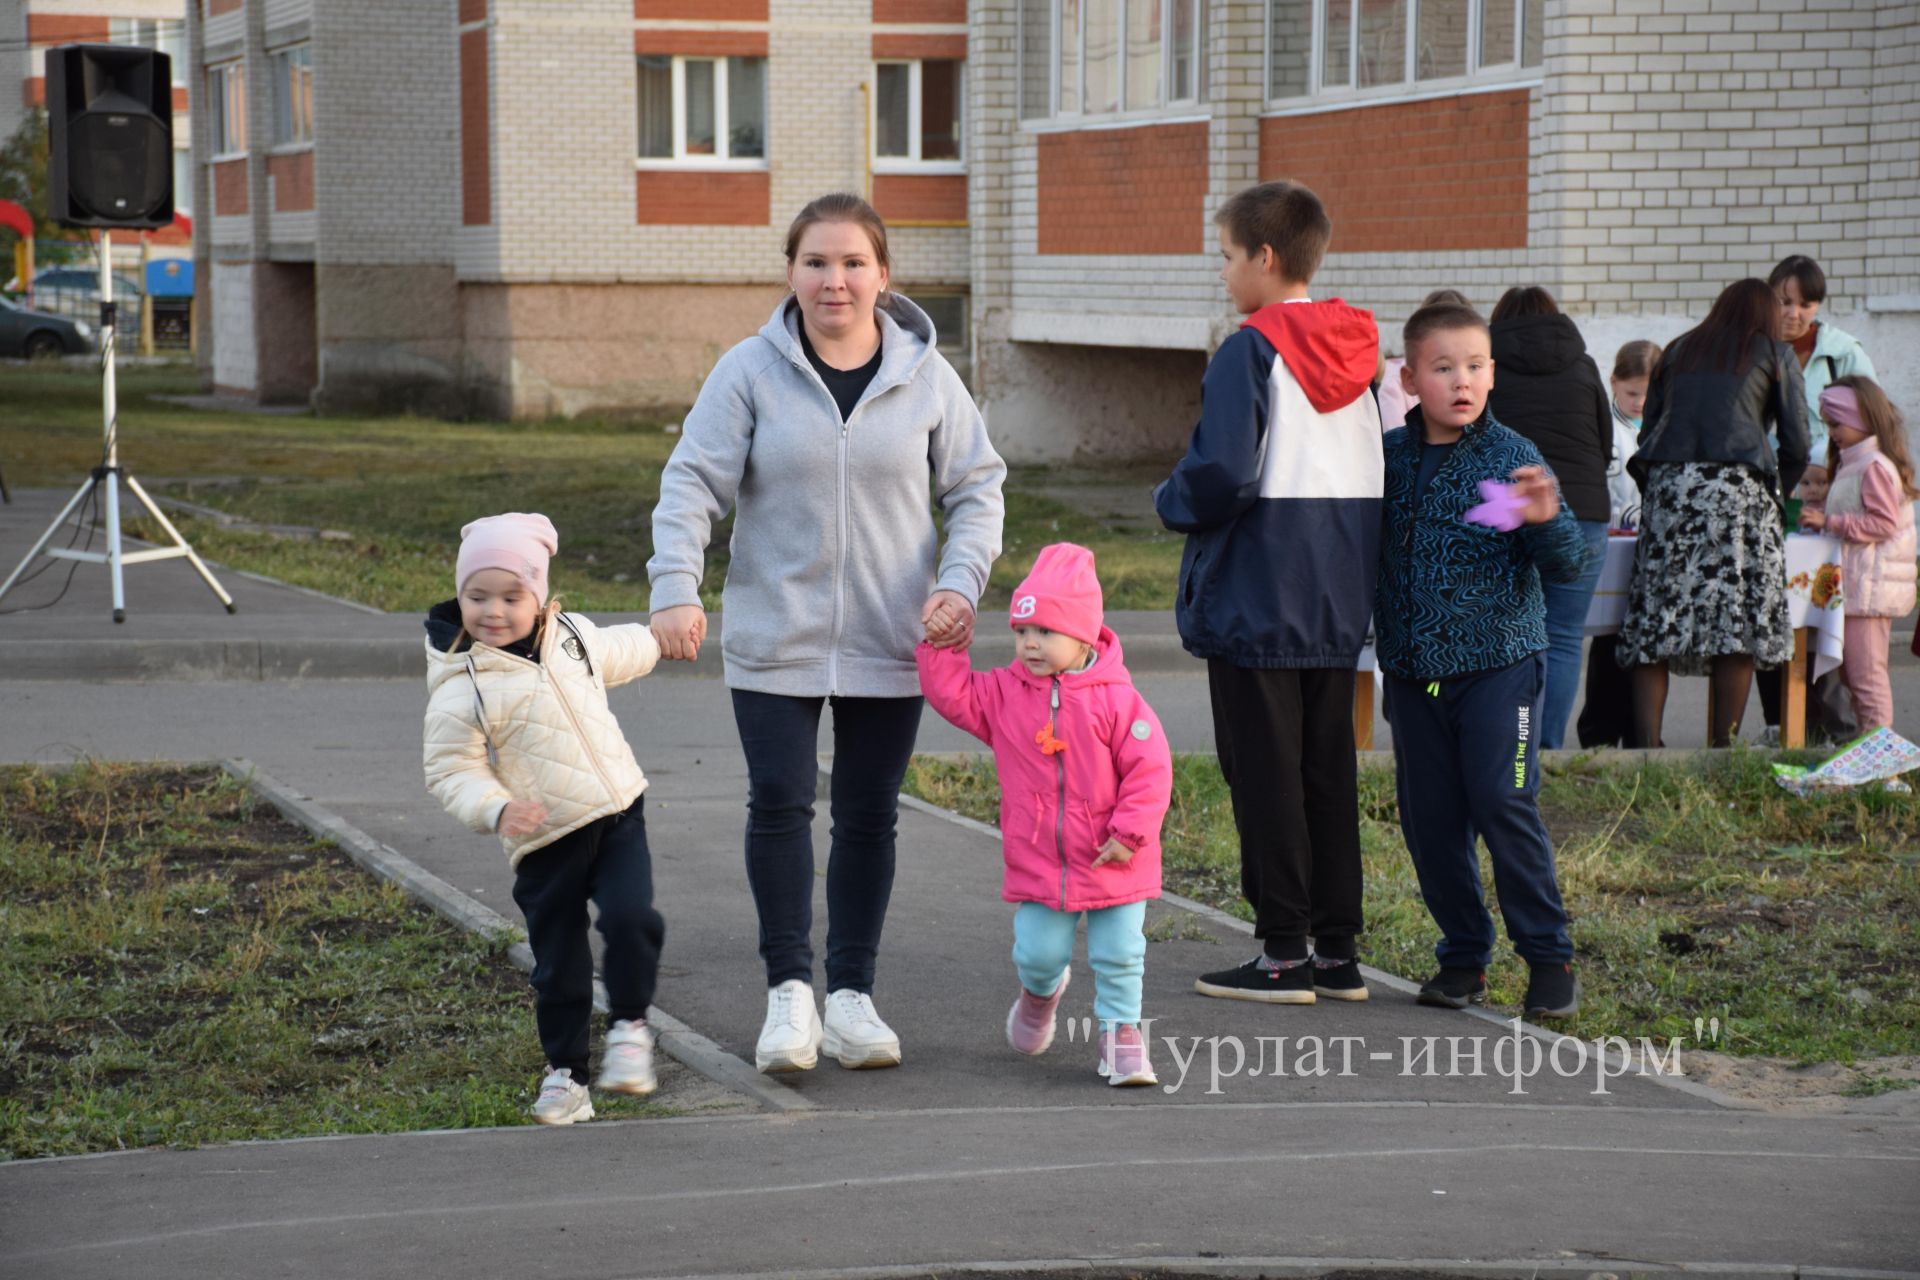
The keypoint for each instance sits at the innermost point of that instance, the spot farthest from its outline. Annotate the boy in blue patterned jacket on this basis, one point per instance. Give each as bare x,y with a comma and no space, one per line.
1460,628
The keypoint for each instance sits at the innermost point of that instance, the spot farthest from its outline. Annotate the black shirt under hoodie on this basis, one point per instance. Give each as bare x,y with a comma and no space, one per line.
443,625
1547,388
845,385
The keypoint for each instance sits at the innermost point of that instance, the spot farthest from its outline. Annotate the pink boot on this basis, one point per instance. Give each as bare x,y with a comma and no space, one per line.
1123,1057
1030,1021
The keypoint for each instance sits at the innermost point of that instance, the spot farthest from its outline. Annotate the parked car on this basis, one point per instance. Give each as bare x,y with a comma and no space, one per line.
75,292
39,335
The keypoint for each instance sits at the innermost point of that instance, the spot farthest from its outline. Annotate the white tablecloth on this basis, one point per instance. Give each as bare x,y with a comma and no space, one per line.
1814,598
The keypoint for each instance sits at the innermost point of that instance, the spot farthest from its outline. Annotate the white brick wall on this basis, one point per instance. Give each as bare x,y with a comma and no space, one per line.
1676,146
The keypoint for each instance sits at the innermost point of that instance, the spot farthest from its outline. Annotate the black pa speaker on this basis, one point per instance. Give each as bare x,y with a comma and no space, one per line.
110,129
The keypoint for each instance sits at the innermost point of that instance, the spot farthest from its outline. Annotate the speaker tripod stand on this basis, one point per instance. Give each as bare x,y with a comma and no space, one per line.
109,475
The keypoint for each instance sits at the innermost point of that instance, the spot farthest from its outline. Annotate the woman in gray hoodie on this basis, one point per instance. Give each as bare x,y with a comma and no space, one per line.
830,434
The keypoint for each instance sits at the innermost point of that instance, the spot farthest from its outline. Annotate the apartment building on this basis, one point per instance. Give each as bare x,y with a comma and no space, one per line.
533,207
28,28
1632,156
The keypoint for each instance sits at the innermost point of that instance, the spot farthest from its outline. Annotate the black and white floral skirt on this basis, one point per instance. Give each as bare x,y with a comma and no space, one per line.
1709,571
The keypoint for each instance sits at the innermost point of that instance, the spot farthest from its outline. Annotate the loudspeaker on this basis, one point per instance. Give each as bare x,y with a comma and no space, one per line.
110,129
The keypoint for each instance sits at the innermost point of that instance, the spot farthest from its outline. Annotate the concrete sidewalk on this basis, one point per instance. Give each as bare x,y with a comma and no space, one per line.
966,1152
1375,1151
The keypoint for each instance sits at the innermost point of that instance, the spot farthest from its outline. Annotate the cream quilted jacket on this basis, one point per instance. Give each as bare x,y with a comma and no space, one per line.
501,727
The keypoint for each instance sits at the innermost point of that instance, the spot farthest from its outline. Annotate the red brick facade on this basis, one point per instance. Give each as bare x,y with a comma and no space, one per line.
292,177
230,187
920,11
217,7
53,28
1124,191
476,157
905,198
700,10
33,91
702,44
1482,204
472,11
906,46
682,197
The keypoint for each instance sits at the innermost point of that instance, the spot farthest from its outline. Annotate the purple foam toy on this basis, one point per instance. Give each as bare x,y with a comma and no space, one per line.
1499,508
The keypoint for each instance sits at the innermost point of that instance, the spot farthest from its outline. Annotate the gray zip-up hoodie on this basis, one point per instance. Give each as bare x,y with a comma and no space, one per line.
834,548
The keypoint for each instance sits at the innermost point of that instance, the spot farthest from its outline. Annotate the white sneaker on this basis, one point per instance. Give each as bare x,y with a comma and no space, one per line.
628,1065
855,1034
562,1100
790,1037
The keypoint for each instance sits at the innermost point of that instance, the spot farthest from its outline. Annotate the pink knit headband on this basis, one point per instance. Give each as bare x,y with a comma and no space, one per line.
1841,407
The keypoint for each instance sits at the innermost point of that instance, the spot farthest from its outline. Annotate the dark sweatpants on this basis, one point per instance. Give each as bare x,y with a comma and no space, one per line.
1465,762
606,862
1286,750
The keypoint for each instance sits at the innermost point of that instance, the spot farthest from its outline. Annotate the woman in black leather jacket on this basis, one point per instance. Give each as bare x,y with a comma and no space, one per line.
1709,572
1547,388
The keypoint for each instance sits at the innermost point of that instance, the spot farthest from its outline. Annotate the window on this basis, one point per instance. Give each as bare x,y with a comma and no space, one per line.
918,109
168,35
948,311
1106,57
703,111
293,96
227,92
183,180
1337,46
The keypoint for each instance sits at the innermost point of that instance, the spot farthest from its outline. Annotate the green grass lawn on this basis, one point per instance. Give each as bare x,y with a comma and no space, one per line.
396,491
179,965
1695,890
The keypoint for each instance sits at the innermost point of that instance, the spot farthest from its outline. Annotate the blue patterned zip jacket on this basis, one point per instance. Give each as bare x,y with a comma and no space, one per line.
1456,598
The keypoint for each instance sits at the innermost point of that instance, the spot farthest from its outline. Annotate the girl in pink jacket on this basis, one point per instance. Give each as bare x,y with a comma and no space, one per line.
1085,779
1870,509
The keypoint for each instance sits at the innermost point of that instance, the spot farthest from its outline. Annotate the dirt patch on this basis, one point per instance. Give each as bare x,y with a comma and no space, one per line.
1889,1084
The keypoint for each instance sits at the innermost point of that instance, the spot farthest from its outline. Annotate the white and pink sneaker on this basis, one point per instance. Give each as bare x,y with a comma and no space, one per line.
1123,1057
1030,1022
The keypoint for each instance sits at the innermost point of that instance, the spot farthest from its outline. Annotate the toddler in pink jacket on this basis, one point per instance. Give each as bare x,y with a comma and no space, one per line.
1085,779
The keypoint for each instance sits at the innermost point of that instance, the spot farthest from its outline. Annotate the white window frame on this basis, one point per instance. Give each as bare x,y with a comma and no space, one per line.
721,160
1320,96
279,62
912,161
1167,110
220,91
144,33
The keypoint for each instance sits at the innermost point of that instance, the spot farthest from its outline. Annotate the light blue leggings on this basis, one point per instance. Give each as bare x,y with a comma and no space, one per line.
1116,948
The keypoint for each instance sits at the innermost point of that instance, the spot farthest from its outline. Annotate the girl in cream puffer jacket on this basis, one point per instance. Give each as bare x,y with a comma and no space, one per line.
520,741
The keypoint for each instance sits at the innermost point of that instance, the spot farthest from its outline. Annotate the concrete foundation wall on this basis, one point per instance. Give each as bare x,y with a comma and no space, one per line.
235,355
1054,402
560,350
389,339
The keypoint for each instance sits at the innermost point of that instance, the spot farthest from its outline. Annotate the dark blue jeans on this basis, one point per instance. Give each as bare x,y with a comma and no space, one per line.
1567,605
1466,762
872,743
606,862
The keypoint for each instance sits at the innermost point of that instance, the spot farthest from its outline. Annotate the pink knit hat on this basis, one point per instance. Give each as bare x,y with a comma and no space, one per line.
1061,593
1840,406
519,542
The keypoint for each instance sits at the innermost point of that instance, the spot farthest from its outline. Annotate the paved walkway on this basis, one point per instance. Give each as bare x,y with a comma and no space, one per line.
964,1154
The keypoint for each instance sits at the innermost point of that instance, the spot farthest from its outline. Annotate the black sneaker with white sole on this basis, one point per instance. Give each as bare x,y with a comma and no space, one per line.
1255,981
1453,988
1340,981
1552,992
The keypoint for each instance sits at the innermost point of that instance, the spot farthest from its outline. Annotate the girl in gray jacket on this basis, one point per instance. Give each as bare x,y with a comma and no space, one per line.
830,435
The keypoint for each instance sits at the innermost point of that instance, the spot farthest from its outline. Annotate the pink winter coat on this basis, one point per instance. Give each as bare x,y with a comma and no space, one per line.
1113,778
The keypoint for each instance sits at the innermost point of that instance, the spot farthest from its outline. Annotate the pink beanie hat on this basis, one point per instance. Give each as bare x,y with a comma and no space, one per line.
1060,594
1840,406
519,542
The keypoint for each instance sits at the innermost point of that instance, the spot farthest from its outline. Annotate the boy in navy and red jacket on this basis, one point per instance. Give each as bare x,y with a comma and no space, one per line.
1279,494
